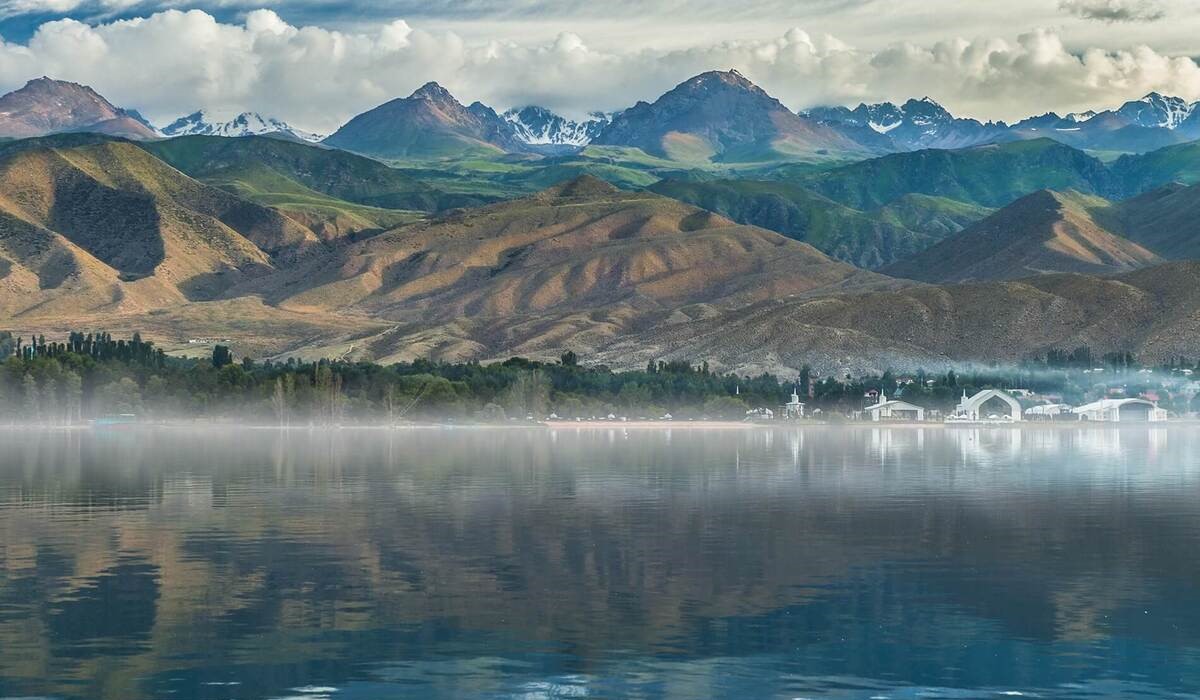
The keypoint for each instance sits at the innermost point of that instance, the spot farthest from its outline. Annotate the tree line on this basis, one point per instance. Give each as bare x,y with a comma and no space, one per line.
94,375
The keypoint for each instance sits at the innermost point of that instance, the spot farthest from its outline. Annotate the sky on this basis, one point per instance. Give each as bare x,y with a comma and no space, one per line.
315,63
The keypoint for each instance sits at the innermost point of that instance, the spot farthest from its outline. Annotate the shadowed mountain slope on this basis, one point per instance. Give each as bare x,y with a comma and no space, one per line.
1165,220
109,225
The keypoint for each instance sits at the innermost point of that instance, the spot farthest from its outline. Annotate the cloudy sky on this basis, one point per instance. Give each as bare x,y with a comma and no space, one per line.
317,62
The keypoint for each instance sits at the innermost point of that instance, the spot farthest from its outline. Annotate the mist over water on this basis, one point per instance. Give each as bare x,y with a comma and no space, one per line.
815,562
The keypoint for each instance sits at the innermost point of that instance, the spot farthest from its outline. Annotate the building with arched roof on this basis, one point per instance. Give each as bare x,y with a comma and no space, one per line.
973,407
1121,411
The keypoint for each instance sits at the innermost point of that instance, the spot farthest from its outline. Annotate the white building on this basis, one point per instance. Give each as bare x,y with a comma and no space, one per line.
1048,411
793,408
894,409
760,414
1121,411
975,408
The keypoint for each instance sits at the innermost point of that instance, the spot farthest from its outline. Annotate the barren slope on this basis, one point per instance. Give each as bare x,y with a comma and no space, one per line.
109,226
1042,232
1154,312
578,245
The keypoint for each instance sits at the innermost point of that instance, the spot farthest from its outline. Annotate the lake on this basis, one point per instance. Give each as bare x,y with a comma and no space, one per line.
562,563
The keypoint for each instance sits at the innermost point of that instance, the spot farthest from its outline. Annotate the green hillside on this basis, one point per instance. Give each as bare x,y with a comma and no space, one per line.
1147,171
990,176
265,164
934,216
865,239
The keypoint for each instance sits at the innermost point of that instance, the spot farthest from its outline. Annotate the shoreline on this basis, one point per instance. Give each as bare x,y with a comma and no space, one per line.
605,425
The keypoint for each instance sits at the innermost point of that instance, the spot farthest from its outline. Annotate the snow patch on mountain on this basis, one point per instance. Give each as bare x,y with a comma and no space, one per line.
539,126
1157,111
204,123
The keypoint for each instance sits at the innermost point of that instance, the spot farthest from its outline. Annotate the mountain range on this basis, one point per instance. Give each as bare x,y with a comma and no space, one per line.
718,117
201,123
741,233
1152,122
913,125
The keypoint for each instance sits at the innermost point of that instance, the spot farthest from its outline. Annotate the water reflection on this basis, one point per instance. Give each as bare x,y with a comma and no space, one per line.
841,563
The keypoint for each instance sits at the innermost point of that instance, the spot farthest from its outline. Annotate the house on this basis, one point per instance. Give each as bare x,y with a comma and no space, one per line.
1121,411
894,410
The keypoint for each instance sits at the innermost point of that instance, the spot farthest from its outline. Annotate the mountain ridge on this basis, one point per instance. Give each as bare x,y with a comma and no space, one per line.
1043,232
721,116
428,124
202,123
46,106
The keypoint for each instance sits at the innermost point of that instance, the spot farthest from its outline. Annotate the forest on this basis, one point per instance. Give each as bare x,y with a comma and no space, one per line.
87,376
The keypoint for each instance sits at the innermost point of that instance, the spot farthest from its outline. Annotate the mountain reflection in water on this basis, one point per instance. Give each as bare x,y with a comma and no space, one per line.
823,562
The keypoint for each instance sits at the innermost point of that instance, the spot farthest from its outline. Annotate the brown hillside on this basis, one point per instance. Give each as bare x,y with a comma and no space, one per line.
1040,233
576,246
46,106
109,226
1154,312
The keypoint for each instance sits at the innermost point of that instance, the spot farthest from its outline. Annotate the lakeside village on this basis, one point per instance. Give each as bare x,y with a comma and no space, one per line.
99,379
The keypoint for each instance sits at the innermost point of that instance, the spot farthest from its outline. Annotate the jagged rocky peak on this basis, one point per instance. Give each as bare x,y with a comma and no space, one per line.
1158,111
433,92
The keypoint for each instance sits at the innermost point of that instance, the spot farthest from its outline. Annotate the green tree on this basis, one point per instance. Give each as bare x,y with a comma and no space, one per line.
529,394
221,356
121,396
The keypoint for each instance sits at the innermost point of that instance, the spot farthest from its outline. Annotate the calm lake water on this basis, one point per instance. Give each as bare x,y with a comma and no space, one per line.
815,563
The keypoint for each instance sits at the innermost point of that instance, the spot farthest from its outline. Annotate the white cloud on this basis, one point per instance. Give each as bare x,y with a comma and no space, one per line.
171,62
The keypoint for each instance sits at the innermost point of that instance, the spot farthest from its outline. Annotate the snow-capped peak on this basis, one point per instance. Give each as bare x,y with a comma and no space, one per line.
1079,117
204,123
539,126
1158,111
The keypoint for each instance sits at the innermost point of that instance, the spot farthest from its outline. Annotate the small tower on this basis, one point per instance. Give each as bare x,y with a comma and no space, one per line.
794,409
